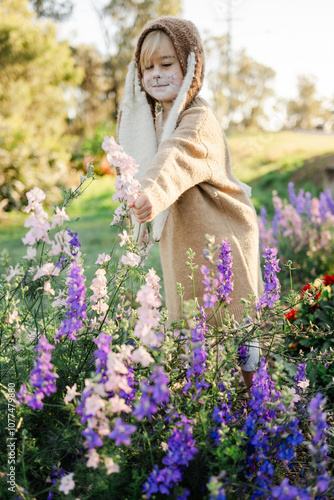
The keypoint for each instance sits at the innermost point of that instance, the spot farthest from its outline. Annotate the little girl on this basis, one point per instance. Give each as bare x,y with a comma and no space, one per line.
188,189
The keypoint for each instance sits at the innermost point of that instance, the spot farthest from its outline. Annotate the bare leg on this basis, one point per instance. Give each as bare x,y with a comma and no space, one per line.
248,379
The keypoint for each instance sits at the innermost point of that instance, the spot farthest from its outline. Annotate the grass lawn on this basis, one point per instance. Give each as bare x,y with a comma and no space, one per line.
265,160
90,215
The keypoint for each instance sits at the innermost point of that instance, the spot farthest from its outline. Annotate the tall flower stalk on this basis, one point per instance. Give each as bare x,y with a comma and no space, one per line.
271,282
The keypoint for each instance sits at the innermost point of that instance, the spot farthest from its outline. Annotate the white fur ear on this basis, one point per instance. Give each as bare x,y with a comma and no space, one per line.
245,187
180,100
159,221
136,131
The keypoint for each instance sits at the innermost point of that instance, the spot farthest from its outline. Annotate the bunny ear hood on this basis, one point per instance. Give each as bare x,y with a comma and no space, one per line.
136,130
186,40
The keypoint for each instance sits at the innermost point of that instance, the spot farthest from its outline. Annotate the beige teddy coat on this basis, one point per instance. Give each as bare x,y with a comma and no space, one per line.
191,174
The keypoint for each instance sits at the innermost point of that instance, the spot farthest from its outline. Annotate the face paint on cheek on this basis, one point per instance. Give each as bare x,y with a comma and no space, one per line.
175,80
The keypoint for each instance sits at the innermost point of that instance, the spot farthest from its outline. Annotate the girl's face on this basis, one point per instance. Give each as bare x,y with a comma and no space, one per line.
162,77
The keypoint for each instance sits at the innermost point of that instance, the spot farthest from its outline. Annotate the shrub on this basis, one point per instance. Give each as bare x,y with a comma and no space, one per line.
310,330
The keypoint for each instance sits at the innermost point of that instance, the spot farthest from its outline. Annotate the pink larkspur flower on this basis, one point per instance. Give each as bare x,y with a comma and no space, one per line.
93,458
141,356
102,258
117,404
93,404
59,217
61,243
71,393
47,288
48,269
35,197
110,465
31,253
13,271
130,259
124,238
66,483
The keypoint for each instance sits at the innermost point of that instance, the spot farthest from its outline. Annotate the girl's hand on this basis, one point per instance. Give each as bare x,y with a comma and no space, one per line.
142,208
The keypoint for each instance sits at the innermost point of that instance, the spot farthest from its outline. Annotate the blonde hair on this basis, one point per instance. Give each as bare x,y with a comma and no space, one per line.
154,41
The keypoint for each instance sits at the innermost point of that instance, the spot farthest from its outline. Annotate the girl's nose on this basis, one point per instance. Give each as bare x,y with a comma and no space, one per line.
156,74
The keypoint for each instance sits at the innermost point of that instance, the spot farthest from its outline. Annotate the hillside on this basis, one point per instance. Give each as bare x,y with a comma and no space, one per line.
268,161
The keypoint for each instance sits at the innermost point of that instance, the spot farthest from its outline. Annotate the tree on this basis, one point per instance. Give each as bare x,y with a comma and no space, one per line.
95,101
303,111
35,72
54,9
240,85
128,19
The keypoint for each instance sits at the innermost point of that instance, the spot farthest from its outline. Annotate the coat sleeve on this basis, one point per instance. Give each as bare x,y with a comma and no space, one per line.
180,163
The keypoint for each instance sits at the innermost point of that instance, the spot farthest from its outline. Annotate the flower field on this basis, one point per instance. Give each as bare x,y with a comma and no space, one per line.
102,400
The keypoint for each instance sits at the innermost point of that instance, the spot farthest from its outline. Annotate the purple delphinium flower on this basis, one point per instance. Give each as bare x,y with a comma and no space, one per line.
184,495
263,216
326,205
121,433
210,283
277,215
198,356
225,272
301,373
261,393
74,241
301,202
285,491
41,377
308,204
160,390
242,354
145,407
263,432
318,448
217,281
301,381
292,194
271,283
55,475
181,446
101,353
92,439
222,415
156,393
161,480
181,449
76,303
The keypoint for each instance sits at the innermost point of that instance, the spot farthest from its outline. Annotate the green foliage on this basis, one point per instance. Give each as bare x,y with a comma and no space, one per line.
95,99
50,440
311,331
35,72
90,149
59,10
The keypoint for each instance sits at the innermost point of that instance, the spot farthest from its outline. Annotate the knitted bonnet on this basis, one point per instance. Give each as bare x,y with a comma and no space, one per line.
186,39
136,130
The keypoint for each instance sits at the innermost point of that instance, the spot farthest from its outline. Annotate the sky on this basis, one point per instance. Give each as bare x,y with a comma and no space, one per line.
293,37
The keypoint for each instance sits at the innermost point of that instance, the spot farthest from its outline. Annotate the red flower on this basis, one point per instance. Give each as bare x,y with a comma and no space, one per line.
291,315
305,288
328,280
315,288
